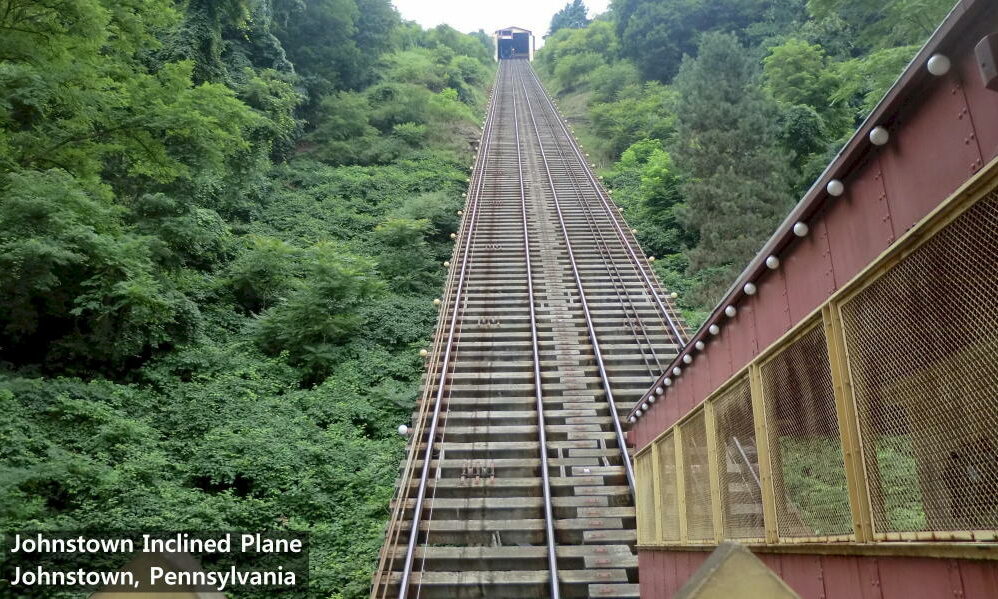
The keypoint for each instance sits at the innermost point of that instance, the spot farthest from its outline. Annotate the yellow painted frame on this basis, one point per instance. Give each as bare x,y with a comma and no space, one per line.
828,315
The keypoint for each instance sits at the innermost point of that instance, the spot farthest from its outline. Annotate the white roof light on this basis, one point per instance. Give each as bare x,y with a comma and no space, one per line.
880,136
939,64
835,188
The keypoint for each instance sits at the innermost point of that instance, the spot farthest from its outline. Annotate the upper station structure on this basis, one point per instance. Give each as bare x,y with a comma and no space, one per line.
514,42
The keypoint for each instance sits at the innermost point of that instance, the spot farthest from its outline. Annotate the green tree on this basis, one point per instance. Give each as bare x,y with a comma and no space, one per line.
888,23
737,188
639,112
648,187
656,35
405,259
797,72
597,39
264,274
799,76
572,16
334,44
317,319
75,285
183,284
865,80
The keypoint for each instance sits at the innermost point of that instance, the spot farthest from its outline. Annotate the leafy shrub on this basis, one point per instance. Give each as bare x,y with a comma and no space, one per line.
264,274
404,258
74,284
321,314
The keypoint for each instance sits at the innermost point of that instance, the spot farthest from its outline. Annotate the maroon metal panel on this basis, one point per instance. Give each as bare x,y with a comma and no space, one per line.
642,432
982,102
956,583
980,579
774,561
699,373
808,272
859,223
906,578
869,571
718,360
663,573
667,571
689,564
683,390
672,409
772,312
667,575
639,435
683,569
739,335
658,419
750,308
650,568
843,579
804,575
933,150
677,560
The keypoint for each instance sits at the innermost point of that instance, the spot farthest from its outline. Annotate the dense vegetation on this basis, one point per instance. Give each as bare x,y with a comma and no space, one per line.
712,117
222,223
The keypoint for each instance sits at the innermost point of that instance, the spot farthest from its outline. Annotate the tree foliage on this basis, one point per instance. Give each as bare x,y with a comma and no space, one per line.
710,116
572,16
221,228
656,35
726,141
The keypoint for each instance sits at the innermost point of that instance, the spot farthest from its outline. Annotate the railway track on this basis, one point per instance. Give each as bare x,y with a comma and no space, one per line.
517,481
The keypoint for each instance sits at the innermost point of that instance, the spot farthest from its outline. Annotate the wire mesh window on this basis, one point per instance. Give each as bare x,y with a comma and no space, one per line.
669,509
738,464
696,479
809,479
922,341
645,482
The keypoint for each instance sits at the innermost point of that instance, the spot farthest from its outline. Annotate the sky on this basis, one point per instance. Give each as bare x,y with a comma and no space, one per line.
472,15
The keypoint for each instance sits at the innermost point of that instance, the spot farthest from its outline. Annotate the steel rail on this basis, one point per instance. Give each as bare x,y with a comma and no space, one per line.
387,558
604,377
466,238
611,211
624,299
538,381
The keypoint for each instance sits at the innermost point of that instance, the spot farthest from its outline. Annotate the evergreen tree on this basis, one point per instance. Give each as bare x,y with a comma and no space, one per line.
573,16
656,35
726,142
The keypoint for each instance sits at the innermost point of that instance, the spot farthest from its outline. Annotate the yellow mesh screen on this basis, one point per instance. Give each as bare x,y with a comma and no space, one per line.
809,477
669,510
923,347
645,500
696,472
738,464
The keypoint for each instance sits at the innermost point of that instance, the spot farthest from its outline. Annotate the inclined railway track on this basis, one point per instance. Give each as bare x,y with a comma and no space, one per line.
517,481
